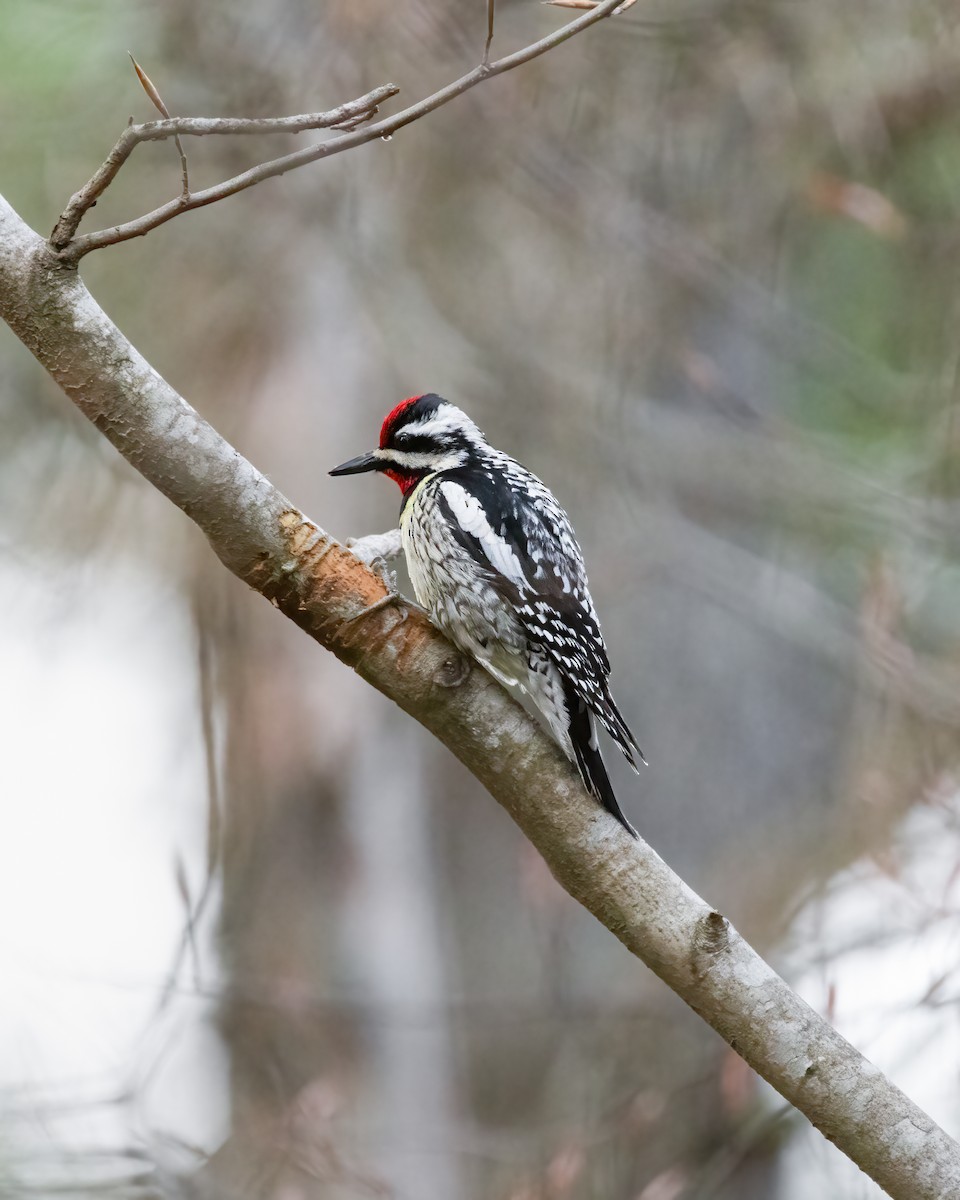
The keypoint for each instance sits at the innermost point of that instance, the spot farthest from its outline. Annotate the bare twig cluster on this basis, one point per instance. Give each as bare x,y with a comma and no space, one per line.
345,117
71,247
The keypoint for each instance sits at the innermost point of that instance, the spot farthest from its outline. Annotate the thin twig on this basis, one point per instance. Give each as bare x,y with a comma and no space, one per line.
345,116
195,912
491,9
151,89
338,118
71,249
587,5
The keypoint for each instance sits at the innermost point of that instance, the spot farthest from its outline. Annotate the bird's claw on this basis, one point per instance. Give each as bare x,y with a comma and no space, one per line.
392,597
381,568
373,552
376,551
367,551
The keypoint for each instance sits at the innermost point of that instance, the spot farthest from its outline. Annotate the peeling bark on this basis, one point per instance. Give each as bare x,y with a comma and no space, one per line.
266,541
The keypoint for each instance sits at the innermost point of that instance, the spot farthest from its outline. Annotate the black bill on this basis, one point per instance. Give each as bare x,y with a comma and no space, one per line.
356,466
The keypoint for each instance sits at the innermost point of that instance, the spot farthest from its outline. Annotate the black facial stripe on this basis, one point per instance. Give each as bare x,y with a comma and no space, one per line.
412,443
426,443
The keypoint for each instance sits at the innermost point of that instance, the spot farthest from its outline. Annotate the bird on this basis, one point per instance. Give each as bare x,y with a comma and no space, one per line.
494,561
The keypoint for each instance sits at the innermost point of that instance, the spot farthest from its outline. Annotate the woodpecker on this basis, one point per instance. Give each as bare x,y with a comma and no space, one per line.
494,560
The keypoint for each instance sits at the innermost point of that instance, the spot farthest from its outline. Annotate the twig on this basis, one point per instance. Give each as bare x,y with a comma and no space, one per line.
346,116
588,5
491,10
71,249
150,88
195,912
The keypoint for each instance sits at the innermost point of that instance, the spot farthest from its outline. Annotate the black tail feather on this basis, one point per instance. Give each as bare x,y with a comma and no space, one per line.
589,762
616,726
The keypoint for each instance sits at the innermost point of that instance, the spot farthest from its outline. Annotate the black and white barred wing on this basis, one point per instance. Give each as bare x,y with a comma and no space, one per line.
526,541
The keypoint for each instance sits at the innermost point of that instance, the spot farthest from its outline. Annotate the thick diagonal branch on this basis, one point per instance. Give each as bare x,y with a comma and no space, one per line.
269,544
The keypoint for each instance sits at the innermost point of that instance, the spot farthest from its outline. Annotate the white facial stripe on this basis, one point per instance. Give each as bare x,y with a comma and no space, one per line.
409,460
469,514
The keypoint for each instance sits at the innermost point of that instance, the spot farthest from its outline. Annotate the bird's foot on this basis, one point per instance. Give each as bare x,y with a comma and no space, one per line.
392,597
382,546
374,552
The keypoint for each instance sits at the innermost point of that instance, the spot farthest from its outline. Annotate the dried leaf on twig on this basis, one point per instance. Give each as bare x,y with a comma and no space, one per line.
149,87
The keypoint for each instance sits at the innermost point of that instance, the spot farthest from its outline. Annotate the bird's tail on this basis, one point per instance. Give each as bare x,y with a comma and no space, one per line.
583,737
616,726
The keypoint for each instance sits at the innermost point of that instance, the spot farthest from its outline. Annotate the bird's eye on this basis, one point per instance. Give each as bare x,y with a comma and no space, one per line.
401,439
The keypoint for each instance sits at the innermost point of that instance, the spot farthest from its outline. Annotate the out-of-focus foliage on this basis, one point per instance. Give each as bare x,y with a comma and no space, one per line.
696,269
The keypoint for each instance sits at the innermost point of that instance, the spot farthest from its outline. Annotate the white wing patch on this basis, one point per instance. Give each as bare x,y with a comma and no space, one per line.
469,514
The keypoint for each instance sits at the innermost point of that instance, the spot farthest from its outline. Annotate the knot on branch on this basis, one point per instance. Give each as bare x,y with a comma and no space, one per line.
453,671
710,939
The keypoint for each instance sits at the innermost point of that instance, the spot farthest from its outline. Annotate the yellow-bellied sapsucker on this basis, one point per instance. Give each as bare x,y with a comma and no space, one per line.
494,560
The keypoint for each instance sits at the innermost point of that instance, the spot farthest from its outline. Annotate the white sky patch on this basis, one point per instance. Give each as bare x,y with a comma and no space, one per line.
104,790
886,942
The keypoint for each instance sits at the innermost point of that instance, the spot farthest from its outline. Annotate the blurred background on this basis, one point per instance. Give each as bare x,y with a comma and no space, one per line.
261,936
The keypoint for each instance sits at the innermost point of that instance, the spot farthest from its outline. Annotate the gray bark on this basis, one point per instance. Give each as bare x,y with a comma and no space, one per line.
260,536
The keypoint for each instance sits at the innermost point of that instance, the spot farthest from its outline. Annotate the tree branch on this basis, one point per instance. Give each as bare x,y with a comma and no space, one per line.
346,115
320,585
70,248
589,5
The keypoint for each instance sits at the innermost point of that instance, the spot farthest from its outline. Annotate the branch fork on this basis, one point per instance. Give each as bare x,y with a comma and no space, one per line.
345,118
